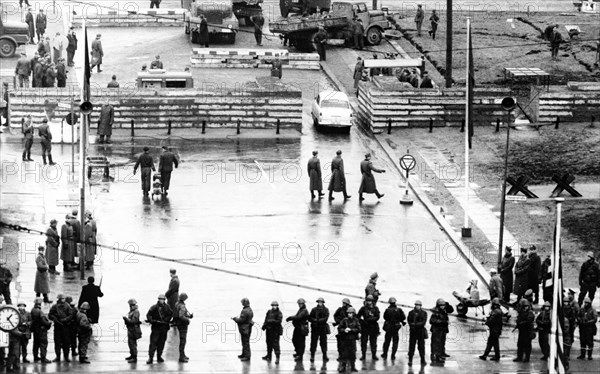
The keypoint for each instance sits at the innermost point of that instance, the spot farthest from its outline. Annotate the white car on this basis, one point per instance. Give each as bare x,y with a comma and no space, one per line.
332,108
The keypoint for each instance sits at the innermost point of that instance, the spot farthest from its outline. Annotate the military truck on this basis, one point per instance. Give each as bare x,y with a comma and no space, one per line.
222,24
12,35
300,30
245,9
303,7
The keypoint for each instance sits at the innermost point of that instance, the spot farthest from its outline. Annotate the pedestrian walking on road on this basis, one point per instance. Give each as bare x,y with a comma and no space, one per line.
319,329
90,294
165,168
506,273
30,26
105,122
314,173
587,328
369,316
40,25
494,323
589,278
417,318
52,244
544,324
394,318
367,184
134,332
5,280
300,322
172,293
349,330
245,323
147,165
419,17
41,285
273,329
40,324
526,331
71,46
25,330
84,332
371,288
62,316
258,21
23,70
435,21
97,53
182,319
337,183
159,316
46,141
522,274
320,40
439,329
533,275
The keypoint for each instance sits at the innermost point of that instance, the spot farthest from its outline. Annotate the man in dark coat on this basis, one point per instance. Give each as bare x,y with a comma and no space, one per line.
97,53
61,73
274,330
76,225
41,285
203,31
435,21
159,316
300,322
165,168
40,25
522,274
30,26
38,71
337,183
348,331
533,274
113,83
155,3
71,47
338,316
544,324
6,278
320,39
90,294
46,141
555,40
319,329
23,70
84,332
72,326
589,278
27,131
245,323
172,293
525,326
61,314
369,315
417,319
358,31
426,82
67,236
50,75
258,21
314,173
181,318
40,324
494,322
546,279
394,318
439,329
367,184
506,273
134,332
52,244
419,17
586,320
147,164
105,122
358,72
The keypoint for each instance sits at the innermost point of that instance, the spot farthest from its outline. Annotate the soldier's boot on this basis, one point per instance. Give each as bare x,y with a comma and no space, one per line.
409,361
29,156
44,158
590,354
582,355
353,366
50,160
330,194
24,156
362,357
108,139
267,357
150,360
325,358
423,362
374,355
67,357
132,360
277,359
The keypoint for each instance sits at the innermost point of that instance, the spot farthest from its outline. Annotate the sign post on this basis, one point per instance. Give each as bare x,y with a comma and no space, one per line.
407,163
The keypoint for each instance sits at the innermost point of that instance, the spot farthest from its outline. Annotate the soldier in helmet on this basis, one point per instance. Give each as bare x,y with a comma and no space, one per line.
300,322
40,324
439,329
369,315
371,288
525,327
182,320
496,286
319,329
348,332
394,318
589,278
244,322
417,318
62,315
72,327
25,329
134,332
338,316
159,316
570,321
84,332
274,330
544,324
494,322
587,328
14,348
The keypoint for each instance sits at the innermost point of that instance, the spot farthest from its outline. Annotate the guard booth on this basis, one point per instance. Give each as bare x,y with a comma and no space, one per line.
386,67
159,78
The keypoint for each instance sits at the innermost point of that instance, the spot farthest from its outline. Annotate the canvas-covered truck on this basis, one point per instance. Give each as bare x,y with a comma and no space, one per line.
245,9
12,35
300,30
222,24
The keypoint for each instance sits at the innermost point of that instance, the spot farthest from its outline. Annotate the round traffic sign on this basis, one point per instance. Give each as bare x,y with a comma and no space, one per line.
71,120
407,162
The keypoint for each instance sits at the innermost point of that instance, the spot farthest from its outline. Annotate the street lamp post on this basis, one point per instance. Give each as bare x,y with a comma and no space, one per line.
508,104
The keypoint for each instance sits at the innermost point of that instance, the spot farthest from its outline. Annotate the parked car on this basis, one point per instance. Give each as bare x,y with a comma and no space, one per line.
332,108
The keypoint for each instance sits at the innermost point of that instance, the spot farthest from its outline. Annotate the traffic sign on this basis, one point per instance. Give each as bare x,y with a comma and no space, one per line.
71,120
65,106
67,202
407,162
516,198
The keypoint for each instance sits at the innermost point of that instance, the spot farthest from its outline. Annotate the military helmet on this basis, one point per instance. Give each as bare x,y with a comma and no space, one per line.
392,300
274,303
587,300
132,302
418,302
346,301
183,296
374,275
524,302
60,296
38,301
351,310
22,303
301,301
370,298
440,301
85,305
162,296
320,300
529,292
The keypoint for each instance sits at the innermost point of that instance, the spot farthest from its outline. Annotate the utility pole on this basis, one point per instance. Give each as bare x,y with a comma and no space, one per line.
448,43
